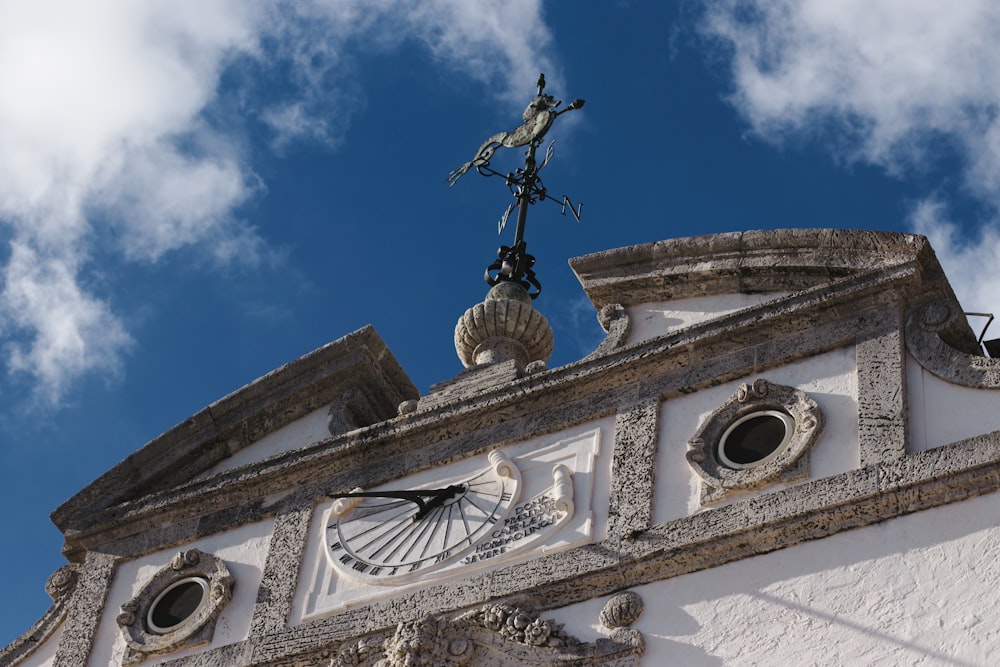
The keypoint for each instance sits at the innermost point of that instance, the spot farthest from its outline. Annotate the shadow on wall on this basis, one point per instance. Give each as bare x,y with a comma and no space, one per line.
908,588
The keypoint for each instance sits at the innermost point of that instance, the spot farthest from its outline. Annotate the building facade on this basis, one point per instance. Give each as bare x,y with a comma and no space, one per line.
785,451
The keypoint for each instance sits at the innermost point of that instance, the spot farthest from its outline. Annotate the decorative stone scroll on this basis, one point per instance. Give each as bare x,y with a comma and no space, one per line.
497,635
203,575
938,337
800,417
615,321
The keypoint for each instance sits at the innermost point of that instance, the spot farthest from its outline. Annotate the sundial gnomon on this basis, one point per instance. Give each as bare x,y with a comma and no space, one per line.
513,262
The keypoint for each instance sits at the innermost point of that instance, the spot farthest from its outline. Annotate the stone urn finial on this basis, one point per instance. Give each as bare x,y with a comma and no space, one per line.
503,327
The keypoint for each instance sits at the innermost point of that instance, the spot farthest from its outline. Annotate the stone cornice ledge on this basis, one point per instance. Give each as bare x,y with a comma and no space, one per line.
741,262
359,360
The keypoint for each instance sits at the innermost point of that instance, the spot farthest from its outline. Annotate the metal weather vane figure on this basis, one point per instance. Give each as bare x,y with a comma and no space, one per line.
513,263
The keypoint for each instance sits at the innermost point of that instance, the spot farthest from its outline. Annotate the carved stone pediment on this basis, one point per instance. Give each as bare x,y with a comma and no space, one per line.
496,635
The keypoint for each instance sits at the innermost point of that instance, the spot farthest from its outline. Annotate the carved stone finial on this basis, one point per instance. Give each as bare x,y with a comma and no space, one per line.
503,327
621,610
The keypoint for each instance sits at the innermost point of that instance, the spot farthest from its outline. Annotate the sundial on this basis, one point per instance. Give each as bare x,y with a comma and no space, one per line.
513,263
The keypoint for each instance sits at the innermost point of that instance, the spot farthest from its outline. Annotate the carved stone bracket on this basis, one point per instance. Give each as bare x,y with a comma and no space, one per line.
137,619
803,423
496,635
616,322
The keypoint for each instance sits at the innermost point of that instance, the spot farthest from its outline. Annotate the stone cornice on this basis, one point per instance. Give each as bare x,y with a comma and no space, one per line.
359,363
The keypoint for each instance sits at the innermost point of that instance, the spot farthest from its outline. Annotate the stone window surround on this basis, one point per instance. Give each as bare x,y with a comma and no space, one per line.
198,628
789,464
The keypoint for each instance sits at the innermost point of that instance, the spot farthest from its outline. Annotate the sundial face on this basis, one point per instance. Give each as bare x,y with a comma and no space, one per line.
392,540
479,513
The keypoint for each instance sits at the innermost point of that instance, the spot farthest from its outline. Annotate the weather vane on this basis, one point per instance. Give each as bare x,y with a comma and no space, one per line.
513,263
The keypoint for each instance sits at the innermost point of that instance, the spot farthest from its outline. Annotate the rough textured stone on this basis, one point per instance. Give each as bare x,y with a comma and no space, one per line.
633,470
881,393
284,556
85,609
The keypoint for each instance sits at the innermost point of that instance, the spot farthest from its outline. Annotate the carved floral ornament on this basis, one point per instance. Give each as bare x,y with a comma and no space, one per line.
499,635
760,436
177,608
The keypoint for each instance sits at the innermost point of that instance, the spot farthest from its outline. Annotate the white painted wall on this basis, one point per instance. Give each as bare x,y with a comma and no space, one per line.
44,655
301,432
244,551
830,379
941,413
916,590
655,319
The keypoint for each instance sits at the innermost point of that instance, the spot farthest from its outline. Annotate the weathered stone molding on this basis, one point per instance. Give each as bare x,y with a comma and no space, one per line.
633,470
937,337
281,570
60,587
882,411
135,619
789,464
615,320
358,360
84,613
742,262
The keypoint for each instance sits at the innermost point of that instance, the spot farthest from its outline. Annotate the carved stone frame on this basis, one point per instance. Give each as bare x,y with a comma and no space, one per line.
790,463
195,630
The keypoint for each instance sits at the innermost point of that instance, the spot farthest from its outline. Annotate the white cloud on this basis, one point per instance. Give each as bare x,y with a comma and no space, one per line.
968,262
74,332
104,133
891,83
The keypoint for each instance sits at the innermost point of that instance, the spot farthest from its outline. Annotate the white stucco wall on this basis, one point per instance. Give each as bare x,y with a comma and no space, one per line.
655,319
916,590
44,655
301,432
244,551
941,413
830,379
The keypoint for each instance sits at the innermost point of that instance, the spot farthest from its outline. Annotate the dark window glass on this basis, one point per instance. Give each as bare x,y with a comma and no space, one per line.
177,604
754,440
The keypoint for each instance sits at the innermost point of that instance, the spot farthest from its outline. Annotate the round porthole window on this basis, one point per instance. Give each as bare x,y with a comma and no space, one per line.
176,604
755,439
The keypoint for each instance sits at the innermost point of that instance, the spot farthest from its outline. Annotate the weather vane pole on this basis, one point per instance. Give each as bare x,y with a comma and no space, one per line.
513,263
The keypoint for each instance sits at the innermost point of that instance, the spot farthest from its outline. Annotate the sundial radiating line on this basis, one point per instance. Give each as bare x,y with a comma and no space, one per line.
420,535
465,519
367,511
437,526
398,528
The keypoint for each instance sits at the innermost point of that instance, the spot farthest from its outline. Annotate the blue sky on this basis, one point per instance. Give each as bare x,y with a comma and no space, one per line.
194,193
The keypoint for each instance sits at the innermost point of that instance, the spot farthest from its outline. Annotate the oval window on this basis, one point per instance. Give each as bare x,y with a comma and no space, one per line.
176,603
755,439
